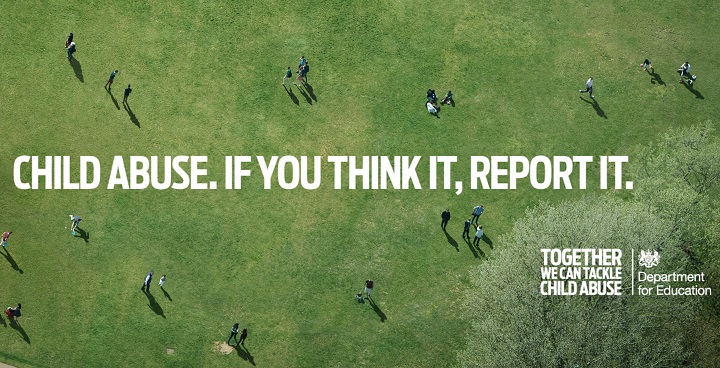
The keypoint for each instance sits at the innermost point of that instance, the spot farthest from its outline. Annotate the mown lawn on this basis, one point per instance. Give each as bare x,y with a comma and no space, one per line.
287,263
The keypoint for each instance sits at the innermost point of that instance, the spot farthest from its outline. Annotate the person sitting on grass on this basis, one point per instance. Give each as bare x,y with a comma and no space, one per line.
447,100
431,96
684,69
432,109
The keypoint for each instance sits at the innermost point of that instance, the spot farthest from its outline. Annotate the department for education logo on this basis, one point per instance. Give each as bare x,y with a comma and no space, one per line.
649,258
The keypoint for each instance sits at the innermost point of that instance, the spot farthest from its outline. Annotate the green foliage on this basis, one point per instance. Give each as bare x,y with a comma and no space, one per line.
679,176
514,325
673,210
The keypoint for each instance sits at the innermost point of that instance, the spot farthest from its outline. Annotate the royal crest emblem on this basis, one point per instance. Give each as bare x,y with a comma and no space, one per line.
649,258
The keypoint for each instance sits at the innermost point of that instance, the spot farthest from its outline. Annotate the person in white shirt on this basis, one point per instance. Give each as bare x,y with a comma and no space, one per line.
432,109
478,235
588,87
684,69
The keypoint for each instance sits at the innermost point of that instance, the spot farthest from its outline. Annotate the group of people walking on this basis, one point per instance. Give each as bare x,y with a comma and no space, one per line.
302,70
148,280
234,332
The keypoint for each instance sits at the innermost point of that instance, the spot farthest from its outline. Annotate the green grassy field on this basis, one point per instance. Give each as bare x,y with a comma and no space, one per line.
286,264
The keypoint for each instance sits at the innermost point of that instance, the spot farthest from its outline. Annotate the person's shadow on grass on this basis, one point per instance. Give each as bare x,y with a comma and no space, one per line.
78,70
655,78
694,91
451,240
131,114
487,241
166,293
113,98
12,262
153,304
377,310
80,233
309,89
596,106
15,325
244,353
472,248
307,98
292,95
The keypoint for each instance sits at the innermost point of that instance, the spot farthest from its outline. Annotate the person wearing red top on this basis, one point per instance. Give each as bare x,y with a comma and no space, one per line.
369,284
5,237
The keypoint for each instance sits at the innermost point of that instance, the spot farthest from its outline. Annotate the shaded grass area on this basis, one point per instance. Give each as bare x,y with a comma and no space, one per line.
286,264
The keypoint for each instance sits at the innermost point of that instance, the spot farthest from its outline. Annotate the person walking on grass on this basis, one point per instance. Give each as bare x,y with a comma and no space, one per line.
71,50
445,218
466,230
110,81
647,65
243,336
14,313
75,221
69,40
288,76
147,282
588,87
369,284
5,237
305,69
162,281
233,333
126,94
300,77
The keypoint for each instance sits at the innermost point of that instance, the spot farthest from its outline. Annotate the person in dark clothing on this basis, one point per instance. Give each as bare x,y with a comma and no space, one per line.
126,94
305,70
71,50
431,96
466,231
13,313
369,285
17,313
647,65
110,80
243,336
288,76
69,40
147,282
233,333
445,218
447,99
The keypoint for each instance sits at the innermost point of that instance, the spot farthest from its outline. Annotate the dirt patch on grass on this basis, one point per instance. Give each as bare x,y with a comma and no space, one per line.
223,347
170,351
